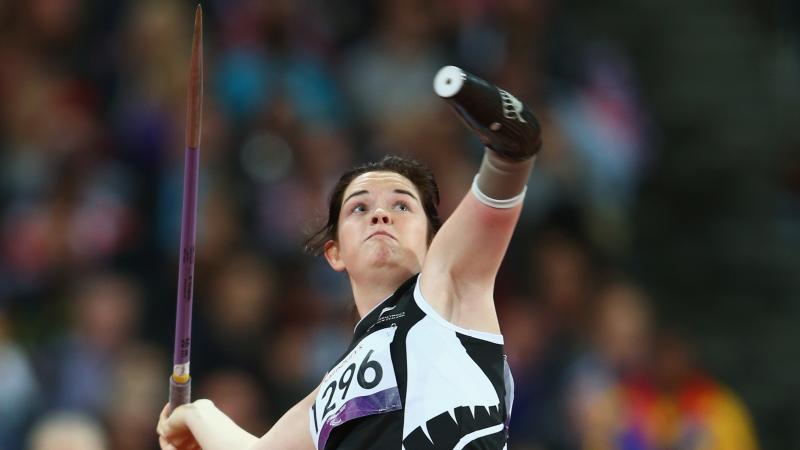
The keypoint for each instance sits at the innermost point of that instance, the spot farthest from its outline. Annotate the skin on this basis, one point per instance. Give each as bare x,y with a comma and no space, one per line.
381,242
382,236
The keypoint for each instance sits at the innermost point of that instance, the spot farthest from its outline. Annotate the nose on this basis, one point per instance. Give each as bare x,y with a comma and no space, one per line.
381,217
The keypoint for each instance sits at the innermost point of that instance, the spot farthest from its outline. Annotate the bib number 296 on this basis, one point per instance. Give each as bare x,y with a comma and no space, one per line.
368,375
363,383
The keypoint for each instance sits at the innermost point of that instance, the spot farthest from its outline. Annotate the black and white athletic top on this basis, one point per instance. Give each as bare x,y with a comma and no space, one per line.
412,380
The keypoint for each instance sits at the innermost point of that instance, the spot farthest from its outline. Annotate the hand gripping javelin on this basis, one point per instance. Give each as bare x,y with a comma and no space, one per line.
180,383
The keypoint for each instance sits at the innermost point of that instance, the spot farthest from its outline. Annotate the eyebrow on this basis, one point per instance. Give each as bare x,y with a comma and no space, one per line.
403,191
364,191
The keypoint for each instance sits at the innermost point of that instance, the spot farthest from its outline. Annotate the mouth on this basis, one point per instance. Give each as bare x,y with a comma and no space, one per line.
380,233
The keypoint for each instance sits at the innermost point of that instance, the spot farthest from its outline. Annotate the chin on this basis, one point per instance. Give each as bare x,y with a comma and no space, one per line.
387,259
384,258
391,257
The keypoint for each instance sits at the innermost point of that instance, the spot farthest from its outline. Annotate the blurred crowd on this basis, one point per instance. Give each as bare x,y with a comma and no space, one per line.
91,130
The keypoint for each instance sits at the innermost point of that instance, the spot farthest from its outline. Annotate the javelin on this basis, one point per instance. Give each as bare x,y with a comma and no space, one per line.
180,383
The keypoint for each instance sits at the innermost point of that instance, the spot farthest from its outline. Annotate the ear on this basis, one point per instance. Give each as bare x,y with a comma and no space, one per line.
332,255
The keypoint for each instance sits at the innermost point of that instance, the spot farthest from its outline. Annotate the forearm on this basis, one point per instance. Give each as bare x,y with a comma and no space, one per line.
502,181
291,432
213,430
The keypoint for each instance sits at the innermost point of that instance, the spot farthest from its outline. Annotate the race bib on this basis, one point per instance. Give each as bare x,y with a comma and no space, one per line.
362,384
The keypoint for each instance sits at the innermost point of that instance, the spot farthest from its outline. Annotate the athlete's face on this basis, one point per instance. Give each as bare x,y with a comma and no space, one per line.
381,225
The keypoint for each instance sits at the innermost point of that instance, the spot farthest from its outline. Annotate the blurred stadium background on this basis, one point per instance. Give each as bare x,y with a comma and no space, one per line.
651,299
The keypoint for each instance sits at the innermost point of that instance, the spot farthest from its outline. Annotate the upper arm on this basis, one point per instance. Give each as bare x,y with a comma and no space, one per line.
459,271
291,431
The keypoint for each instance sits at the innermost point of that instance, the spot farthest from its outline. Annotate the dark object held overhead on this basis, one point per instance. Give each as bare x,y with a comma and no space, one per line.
503,123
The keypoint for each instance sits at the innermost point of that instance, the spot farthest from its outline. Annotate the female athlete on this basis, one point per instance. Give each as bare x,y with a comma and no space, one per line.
425,369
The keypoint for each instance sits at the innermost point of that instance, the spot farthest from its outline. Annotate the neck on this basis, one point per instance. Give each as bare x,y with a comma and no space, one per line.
371,289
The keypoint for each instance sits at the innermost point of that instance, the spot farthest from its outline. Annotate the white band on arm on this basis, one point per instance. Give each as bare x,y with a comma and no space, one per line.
494,203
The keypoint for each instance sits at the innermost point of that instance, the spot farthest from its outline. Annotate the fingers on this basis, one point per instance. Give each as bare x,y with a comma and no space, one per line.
164,413
173,431
162,418
161,427
164,444
186,443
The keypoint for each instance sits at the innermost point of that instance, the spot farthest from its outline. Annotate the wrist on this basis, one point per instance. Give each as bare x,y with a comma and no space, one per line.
215,430
200,412
501,183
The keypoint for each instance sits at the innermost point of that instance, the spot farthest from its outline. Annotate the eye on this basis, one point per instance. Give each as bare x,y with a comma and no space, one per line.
401,206
359,208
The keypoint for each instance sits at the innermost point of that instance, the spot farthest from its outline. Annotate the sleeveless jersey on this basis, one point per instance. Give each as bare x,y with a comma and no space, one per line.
410,380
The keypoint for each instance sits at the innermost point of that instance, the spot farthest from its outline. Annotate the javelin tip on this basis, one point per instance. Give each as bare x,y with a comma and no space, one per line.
194,101
198,17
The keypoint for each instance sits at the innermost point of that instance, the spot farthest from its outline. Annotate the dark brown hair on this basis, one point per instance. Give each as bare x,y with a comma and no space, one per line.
416,172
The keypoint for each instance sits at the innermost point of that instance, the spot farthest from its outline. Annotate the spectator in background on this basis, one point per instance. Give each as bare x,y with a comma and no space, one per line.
19,390
563,276
600,137
525,336
236,313
239,395
619,342
631,393
686,408
80,364
389,76
68,431
295,169
137,390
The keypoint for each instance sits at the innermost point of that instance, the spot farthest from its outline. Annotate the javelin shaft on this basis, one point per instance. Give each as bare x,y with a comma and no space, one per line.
180,381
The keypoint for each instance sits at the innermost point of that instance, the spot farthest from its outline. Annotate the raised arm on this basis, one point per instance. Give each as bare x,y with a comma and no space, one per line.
460,268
